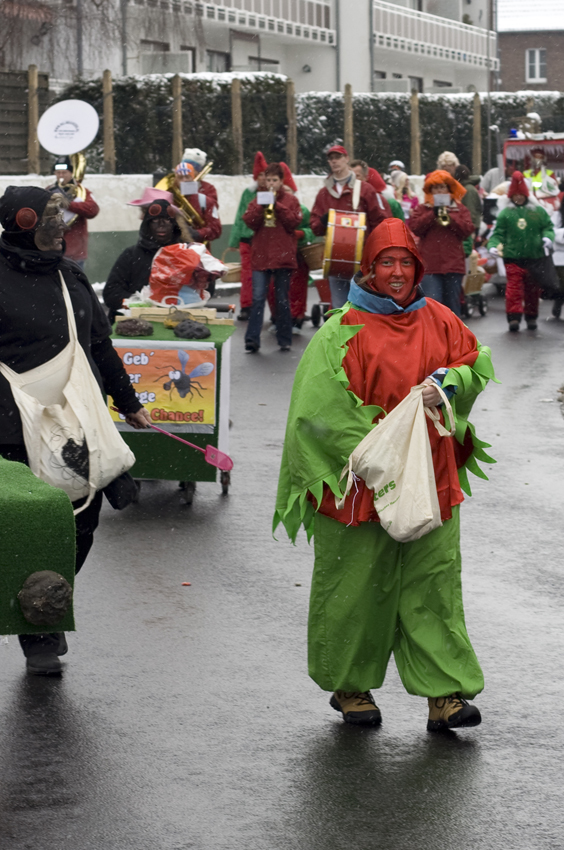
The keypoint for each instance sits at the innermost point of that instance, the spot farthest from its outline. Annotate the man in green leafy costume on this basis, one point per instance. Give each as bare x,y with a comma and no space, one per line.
371,595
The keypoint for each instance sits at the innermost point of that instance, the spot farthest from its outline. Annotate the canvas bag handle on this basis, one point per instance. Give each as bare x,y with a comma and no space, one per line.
435,416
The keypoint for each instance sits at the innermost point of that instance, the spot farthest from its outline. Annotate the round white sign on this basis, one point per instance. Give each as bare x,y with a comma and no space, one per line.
68,127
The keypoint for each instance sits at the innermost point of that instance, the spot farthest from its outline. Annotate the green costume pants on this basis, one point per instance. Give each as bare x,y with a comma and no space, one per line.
371,595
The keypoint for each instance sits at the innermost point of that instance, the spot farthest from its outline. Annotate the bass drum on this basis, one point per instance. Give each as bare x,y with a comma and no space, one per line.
344,242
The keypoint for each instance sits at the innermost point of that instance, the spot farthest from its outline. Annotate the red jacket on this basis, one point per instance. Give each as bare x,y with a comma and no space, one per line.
441,247
205,204
209,190
76,239
274,247
375,207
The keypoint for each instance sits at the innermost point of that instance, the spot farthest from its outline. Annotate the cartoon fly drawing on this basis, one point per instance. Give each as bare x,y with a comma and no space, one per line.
185,383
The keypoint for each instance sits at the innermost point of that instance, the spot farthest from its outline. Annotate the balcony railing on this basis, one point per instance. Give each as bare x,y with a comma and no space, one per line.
306,20
419,33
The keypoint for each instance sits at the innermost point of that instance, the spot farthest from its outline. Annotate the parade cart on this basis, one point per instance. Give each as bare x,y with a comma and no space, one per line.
518,151
185,386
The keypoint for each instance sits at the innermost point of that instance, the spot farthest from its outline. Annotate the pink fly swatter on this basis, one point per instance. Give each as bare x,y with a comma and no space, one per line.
212,455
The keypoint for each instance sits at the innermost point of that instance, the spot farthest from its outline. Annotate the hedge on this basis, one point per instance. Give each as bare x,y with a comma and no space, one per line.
143,121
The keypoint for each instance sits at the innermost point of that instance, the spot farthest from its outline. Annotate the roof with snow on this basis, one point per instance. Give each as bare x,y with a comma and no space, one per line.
525,16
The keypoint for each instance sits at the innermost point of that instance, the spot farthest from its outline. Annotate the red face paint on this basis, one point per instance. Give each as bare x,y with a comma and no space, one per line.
394,274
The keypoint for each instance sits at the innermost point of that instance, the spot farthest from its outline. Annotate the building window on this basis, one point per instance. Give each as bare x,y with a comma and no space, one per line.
258,63
217,61
416,83
191,51
154,46
536,65
379,75
441,84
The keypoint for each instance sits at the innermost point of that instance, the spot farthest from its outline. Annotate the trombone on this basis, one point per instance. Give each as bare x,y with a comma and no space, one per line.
74,190
191,215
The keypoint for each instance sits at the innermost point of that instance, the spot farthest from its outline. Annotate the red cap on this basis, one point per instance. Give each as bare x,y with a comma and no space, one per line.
375,180
288,178
390,233
337,149
259,164
518,185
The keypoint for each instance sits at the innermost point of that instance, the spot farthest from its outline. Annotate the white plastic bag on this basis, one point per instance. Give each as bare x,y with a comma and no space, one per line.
73,443
395,461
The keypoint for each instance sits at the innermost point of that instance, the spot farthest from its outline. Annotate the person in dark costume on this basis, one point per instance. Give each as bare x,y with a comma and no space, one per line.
34,328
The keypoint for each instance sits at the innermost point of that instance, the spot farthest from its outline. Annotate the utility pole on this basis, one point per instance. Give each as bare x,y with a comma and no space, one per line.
123,9
109,140
237,125
349,121
177,139
292,132
489,81
79,54
32,119
415,154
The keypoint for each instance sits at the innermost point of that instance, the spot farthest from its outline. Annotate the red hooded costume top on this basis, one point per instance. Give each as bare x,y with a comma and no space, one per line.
396,349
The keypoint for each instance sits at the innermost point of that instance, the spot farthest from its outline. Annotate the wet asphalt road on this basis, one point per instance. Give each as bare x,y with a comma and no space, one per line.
185,719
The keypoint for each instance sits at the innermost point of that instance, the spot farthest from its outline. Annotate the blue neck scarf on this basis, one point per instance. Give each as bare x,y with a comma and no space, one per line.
373,303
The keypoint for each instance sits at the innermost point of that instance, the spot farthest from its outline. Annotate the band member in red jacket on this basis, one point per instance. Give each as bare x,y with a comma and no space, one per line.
442,224
78,211
273,254
204,204
339,193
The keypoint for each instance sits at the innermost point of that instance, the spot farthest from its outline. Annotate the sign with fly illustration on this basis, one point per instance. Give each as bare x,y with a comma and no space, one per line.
176,384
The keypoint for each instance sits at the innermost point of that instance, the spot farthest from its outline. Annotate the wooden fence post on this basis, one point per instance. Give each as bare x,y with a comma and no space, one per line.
32,119
415,156
109,141
349,125
292,133
177,143
237,125
477,136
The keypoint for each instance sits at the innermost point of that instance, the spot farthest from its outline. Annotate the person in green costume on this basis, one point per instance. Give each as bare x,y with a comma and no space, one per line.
371,595
524,237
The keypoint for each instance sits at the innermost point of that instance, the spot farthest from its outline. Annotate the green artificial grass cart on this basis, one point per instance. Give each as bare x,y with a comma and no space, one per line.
185,386
37,534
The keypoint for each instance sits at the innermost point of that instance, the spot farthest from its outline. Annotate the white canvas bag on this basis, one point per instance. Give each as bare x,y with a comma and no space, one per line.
70,438
395,461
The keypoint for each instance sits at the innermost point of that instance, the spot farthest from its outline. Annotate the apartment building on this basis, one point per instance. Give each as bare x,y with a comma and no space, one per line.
375,45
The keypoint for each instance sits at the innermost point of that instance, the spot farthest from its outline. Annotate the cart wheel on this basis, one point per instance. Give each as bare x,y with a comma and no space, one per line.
316,315
225,479
188,488
135,499
324,309
482,306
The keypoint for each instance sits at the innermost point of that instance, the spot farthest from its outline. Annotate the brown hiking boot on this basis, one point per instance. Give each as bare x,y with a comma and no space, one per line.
357,708
452,712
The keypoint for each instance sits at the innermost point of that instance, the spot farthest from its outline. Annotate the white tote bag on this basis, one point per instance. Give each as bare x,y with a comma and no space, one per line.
395,461
70,438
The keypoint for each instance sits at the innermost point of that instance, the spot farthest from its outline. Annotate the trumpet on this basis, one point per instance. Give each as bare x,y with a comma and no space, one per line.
443,216
269,216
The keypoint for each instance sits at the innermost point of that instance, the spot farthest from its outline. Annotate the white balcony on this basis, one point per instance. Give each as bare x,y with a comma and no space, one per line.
420,34
307,20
